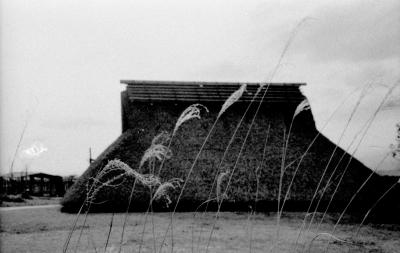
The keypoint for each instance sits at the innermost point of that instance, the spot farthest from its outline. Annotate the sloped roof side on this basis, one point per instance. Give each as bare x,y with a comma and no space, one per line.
210,91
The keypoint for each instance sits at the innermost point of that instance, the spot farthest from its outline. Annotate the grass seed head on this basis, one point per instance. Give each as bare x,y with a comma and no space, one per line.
304,105
99,185
232,99
161,138
164,188
220,178
260,87
148,180
113,167
157,151
191,112
120,173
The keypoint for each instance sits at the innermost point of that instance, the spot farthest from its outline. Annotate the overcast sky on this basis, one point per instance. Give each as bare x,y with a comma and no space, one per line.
61,62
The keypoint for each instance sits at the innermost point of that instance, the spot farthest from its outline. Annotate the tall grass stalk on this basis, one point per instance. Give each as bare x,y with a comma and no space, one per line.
144,226
257,174
152,221
89,200
341,175
371,120
369,123
366,126
126,215
362,95
304,105
308,148
226,151
71,231
229,180
363,130
374,205
116,165
358,191
275,70
236,163
184,185
81,231
229,100
285,49
21,137
238,157
278,217
109,232
349,120
330,236
67,241
329,181
152,170
159,193
191,112
224,155
194,220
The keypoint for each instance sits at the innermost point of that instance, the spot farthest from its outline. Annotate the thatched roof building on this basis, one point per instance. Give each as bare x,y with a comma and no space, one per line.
149,107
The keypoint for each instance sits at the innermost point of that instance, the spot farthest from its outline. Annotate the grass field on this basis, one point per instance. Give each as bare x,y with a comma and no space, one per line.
45,230
34,201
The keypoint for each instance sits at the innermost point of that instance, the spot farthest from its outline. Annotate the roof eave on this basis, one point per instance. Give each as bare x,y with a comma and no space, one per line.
200,83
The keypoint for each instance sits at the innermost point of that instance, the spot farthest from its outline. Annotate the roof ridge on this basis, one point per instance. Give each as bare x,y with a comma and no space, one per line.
130,82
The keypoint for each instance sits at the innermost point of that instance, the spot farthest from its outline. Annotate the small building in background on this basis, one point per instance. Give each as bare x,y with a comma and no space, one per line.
34,184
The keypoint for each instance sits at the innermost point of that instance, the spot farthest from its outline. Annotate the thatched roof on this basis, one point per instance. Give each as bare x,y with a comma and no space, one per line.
148,108
141,90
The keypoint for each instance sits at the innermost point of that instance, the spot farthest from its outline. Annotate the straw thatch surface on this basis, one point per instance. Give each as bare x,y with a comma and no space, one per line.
145,120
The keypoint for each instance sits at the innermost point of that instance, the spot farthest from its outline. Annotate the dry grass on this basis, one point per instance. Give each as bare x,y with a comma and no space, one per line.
157,238
33,201
192,112
44,230
158,151
234,97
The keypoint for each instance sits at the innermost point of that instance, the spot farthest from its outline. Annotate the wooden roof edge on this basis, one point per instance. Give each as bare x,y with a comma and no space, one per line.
155,82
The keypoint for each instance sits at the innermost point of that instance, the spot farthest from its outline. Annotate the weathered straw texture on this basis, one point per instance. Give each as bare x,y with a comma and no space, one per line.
145,121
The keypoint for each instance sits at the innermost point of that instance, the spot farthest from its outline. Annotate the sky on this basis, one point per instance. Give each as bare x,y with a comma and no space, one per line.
61,63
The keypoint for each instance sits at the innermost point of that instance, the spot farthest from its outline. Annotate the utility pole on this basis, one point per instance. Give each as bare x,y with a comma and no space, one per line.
90,156
26,179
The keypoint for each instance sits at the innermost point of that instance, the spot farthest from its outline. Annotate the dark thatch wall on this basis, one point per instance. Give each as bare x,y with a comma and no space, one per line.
142,121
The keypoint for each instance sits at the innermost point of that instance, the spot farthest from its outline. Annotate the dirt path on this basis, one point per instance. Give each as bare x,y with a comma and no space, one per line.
44,229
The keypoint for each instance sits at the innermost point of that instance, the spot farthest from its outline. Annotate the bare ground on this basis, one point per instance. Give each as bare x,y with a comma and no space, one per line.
34,201
46,229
